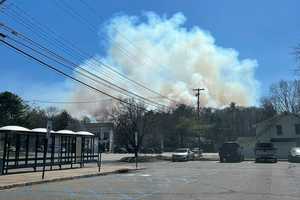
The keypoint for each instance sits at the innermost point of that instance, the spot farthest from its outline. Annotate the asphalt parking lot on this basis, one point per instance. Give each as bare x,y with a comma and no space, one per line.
180,180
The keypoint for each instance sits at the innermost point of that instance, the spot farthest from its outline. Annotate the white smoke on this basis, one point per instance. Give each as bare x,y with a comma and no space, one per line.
171,59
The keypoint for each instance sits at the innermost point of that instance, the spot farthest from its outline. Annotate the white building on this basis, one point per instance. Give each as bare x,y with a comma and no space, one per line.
282,130
104,131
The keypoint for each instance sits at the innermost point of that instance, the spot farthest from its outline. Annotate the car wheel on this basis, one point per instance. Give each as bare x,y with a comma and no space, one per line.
221,159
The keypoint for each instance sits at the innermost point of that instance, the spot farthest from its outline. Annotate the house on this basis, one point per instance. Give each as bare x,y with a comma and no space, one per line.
282,130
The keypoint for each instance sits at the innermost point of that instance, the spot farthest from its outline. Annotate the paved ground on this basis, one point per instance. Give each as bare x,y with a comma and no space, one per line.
109,165
113,157
187,180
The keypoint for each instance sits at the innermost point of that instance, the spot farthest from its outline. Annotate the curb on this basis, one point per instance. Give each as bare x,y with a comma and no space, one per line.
119,171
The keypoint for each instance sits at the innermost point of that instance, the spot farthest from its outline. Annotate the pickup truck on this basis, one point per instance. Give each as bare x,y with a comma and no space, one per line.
265,152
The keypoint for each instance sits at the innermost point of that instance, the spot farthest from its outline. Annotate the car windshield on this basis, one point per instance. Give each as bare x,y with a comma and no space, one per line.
181,150
296,150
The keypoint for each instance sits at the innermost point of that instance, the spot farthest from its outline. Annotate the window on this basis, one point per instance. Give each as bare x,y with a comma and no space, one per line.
279,129
297,129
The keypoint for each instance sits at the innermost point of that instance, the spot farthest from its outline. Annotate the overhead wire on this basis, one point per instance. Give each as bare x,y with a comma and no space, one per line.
76,14
101,63
63,73
86,73
65,102
69,54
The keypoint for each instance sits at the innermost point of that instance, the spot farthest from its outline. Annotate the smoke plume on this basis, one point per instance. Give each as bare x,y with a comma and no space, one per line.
171,59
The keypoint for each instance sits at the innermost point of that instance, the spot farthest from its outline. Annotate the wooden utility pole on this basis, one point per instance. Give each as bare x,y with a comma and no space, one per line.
198,112
198,100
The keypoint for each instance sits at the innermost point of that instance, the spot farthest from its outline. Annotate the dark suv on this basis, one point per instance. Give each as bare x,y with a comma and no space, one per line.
231,152
265,151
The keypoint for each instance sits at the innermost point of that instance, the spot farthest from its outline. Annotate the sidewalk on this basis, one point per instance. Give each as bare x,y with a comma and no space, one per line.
110,165
31,178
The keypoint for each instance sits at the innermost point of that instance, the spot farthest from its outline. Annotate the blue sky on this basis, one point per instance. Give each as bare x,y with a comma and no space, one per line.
262,30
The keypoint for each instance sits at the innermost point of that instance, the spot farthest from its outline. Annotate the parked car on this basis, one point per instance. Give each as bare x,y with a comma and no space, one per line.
231,152
265,152
294,154
197,151
183,154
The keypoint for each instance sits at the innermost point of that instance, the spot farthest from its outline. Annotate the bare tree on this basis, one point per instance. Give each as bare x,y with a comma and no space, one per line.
131,118
285,96
51,112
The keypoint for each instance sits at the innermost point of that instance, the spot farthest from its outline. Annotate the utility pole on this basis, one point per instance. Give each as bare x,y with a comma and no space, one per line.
198,100
198,113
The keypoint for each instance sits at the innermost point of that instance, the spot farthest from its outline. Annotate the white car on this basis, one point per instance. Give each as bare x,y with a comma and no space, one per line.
183,154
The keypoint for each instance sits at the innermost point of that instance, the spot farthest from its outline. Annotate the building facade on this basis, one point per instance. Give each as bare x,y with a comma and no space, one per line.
105,132
282,130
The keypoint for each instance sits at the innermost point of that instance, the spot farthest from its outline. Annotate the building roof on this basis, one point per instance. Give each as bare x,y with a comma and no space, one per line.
277,117
271,122
42,130
84,133
65,132
14,128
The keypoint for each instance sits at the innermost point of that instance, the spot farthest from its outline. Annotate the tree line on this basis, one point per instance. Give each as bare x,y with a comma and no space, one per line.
14,111
177,127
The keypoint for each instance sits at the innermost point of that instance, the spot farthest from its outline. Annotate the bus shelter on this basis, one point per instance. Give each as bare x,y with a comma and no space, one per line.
24,148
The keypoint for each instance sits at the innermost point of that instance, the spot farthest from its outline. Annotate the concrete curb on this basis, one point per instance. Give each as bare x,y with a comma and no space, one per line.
119,171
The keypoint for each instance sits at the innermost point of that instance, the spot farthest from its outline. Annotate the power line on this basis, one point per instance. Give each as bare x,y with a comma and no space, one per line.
76,14
66,102
62,60
2,36
45,37
84,69
98,62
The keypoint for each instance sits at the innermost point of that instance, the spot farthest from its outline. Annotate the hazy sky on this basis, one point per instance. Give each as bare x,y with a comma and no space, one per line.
265,31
